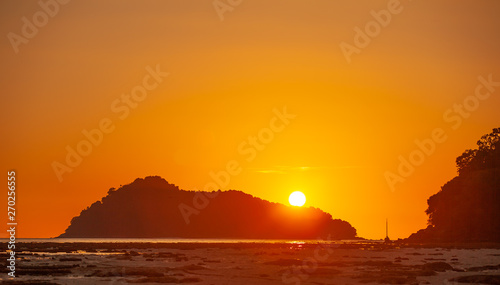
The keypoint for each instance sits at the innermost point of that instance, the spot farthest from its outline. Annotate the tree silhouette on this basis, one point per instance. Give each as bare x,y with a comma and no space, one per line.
486,156
467,208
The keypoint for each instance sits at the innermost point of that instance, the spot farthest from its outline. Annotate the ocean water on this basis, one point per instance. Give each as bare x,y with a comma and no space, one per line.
183,240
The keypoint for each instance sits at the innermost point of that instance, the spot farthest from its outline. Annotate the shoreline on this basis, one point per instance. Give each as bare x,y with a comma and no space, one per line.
259,243
251,263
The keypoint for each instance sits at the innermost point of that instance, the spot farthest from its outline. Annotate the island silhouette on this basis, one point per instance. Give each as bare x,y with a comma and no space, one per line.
153,208
466,209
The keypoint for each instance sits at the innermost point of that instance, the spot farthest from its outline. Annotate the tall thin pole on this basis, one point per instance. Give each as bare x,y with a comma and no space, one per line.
386,228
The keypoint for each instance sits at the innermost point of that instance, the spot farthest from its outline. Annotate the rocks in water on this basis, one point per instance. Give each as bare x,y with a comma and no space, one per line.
477,279
437,266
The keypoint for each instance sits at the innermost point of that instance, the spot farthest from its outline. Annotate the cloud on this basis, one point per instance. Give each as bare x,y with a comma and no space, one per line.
281,169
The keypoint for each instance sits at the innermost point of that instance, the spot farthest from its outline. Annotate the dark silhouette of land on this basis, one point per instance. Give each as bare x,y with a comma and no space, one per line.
467,208
151,208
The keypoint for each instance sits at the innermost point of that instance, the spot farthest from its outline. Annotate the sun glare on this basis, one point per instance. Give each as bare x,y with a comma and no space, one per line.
297,198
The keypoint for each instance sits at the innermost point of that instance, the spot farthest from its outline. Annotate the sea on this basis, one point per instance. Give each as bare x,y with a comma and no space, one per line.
184,240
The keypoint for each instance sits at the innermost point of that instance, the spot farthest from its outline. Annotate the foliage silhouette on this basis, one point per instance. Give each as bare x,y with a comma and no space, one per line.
467,208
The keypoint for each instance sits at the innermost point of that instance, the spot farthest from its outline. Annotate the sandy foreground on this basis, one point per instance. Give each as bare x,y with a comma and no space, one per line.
251,263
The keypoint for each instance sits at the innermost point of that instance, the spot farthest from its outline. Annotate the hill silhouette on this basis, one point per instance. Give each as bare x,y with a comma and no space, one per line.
152,208
466,209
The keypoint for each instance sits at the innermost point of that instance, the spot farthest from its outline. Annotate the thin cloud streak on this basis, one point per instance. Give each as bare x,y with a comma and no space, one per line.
291,169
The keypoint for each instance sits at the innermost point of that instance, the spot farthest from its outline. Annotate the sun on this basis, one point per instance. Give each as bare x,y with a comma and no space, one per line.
297,198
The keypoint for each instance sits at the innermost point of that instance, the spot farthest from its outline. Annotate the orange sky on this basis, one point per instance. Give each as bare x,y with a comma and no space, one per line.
353,120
